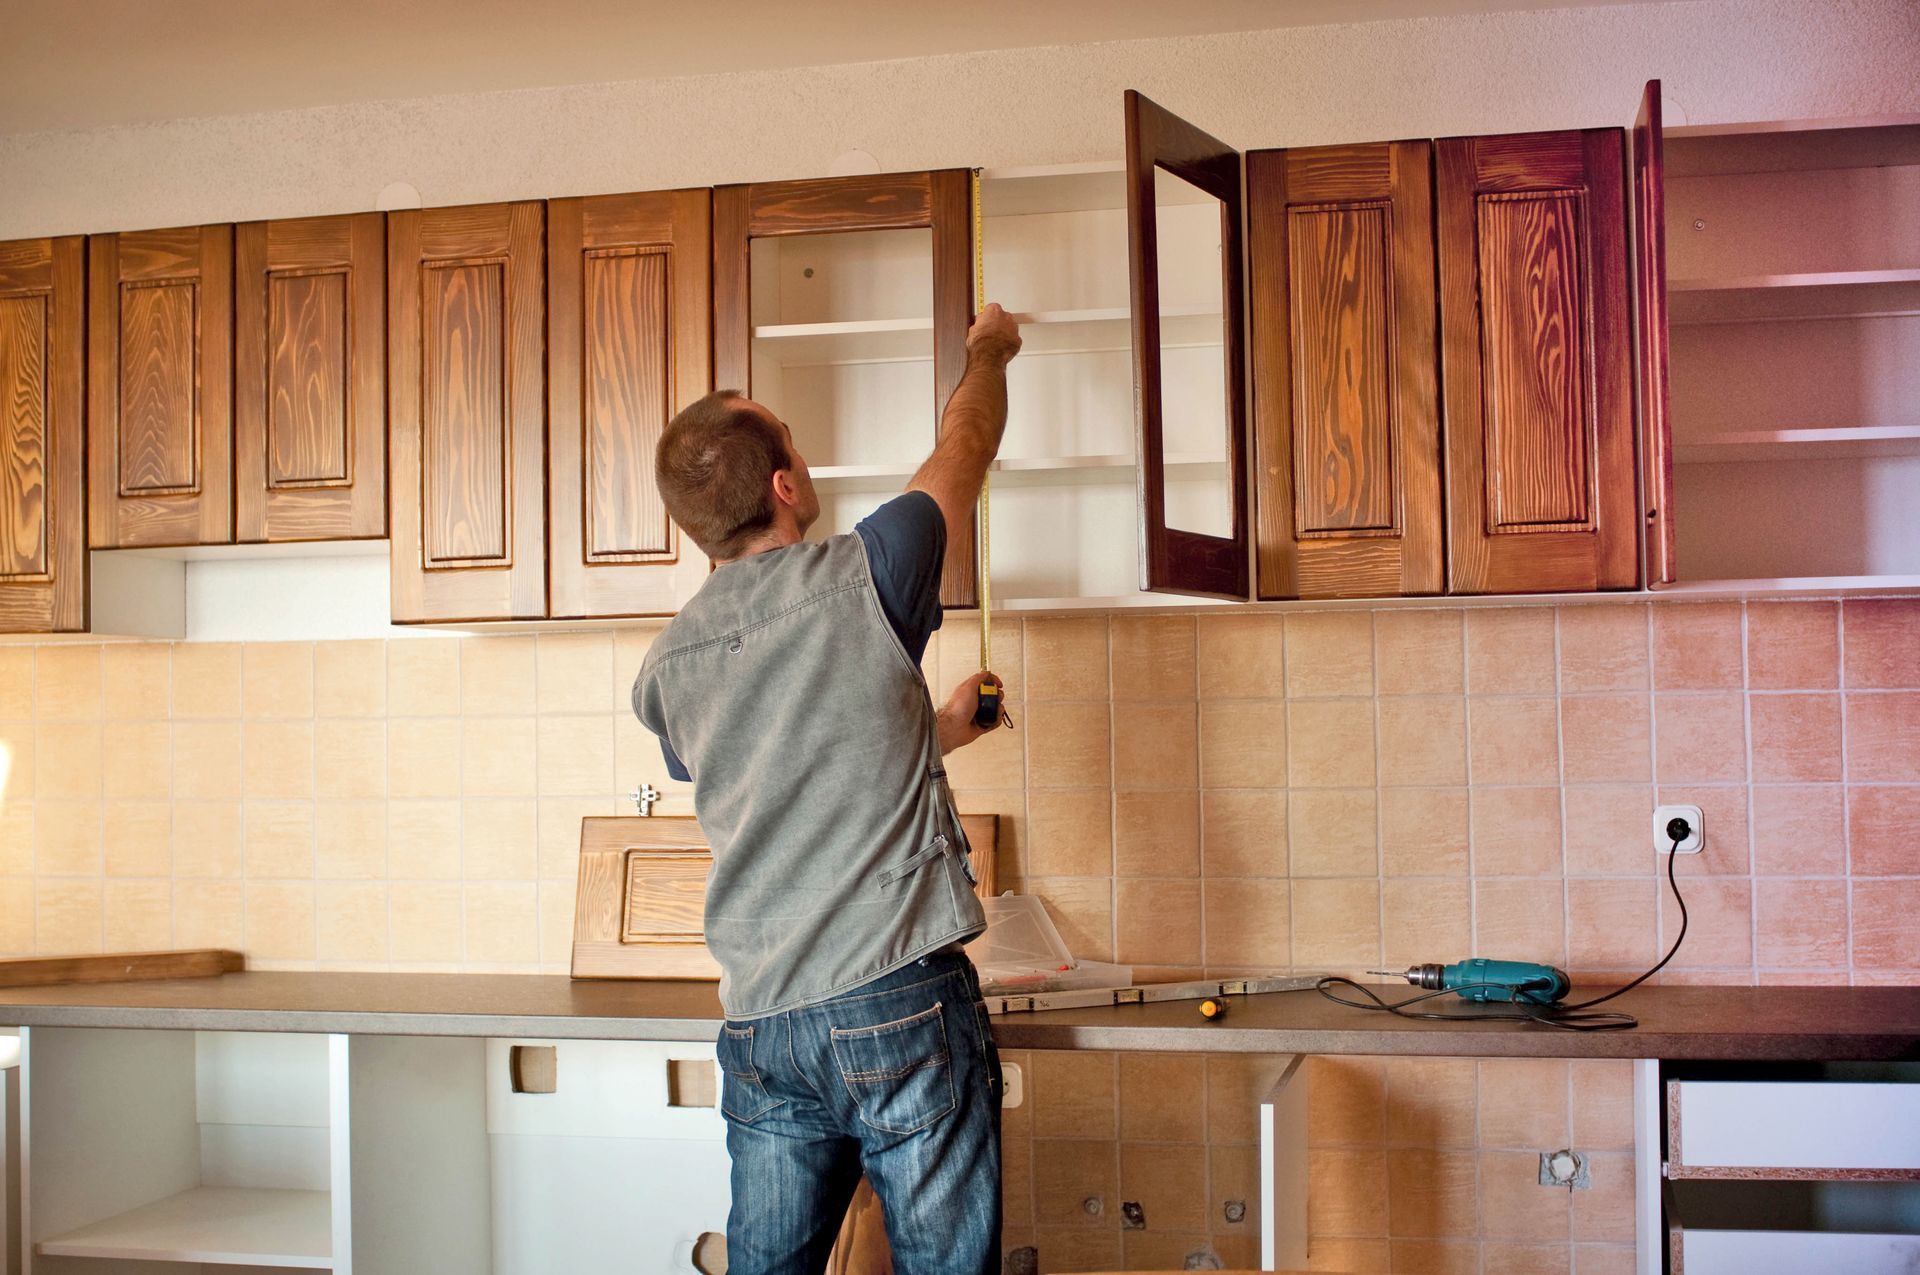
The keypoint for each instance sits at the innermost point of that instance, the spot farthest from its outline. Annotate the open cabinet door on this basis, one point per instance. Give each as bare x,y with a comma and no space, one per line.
1193,513
1650,273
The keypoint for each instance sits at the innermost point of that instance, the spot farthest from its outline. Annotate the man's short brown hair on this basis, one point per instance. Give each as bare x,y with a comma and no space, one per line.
715,467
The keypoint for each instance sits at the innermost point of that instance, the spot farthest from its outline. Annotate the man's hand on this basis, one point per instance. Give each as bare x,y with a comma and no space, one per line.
955,721
994,335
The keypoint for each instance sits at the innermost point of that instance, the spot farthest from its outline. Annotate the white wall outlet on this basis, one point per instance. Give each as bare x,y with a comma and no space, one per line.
1695,820
1014,1091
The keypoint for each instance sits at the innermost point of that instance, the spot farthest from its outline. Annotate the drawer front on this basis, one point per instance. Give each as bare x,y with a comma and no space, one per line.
1795,1253
1793,1129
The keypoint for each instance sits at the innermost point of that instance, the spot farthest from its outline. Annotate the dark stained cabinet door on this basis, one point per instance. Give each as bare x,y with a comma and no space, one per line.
1536,363
1345,397
938,201
160,365
466,356
1650,362
629,316
43,511
309,411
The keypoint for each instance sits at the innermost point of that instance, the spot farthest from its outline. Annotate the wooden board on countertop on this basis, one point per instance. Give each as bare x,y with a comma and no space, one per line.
119,967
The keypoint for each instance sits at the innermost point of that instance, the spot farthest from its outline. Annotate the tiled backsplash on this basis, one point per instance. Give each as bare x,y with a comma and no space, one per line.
1314,790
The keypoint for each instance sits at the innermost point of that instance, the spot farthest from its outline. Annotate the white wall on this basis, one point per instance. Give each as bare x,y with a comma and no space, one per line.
1722,60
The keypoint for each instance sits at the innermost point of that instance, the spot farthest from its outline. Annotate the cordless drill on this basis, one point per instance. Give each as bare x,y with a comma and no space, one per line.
1480,979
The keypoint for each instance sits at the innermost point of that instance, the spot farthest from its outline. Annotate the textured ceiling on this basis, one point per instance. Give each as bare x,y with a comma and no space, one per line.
92,63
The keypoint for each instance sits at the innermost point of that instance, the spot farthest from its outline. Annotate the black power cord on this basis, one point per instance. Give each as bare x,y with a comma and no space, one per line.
1565,1017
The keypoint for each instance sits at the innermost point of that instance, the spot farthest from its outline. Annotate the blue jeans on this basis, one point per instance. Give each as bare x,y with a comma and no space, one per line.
898,1078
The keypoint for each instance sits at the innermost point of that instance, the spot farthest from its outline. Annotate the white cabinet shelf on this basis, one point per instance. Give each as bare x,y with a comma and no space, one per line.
1014,471
227,1226
1042,332
1785,444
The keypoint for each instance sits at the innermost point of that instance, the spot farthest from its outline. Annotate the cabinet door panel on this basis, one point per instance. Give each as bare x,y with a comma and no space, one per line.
43,535
628,333
1650,365
1536,361
1346,401
1173,560
466,356
160,359
310,444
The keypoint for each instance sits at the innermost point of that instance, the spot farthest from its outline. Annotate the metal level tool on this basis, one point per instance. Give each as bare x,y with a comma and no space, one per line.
1145,993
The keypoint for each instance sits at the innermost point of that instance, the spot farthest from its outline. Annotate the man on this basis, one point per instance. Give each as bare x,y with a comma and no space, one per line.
789,691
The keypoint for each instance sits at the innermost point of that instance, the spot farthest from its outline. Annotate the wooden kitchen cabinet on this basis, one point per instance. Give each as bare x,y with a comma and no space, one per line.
159,364
843,305
466,364
43,508
628,345
1536,363
309,410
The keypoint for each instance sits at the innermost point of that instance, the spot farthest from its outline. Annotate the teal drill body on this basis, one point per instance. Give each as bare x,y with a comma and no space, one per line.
1480,979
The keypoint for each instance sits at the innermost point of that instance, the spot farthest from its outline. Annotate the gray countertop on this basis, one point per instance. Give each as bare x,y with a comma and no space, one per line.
1754,1023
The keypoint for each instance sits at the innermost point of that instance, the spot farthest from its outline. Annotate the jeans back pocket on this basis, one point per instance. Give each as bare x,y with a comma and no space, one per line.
742,1095
900,1073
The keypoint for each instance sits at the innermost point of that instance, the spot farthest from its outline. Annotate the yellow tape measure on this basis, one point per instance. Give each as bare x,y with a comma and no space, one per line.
986,553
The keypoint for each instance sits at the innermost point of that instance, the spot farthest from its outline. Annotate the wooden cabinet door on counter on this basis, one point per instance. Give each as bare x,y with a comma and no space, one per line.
1536,363
629,308
1346,404
43,533
160,351
466,354
309,410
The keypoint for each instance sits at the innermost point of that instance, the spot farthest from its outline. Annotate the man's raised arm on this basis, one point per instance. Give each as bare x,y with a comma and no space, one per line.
974,420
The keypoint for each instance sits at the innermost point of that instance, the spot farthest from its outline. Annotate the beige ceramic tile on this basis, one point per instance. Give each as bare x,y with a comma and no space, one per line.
1236,1083
1420,917
1152,656
279,839
1603,1104
208,913
138,679
1169,1183
559,832
1719,923
1883,642
1163,1097
1241,656
278,759
1796,738
1800,830
1069,745
1522,916
957,642
1247,923
1066,1174
1329,653
497,677
67,917
996,760
575,756
1793,646
1243,744
1606,738
1513,1204
423,677
16,682
573,671
1423,741
206,679
206,760
1603,648
1082,910
350,842
1349,1101
1419,652
1332,832
1723,808
1884,935
1157,921
502,923
1514,741
16,842
423,757
1346,1253
1244,832
1882,824
1336,923
67,838
1072,832
280,920
276,679
138,916
1074,1095
1348,1187
1604,1259
350,679
68,683
1435,1257
1510,650
1883,737
138,756
1611,925
1431,1102
556,923
1423,831
1156,834
1512,1258
16,916
423,842
138,838
350,921
1067,658
500,841
67,759
426,921
207,839
1541,1121
16,762
350,758
497,756
1700,737
1330,743
1156,745
1608,830
1697,646
1606,1212
1516,832
1431,1194
1800,924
